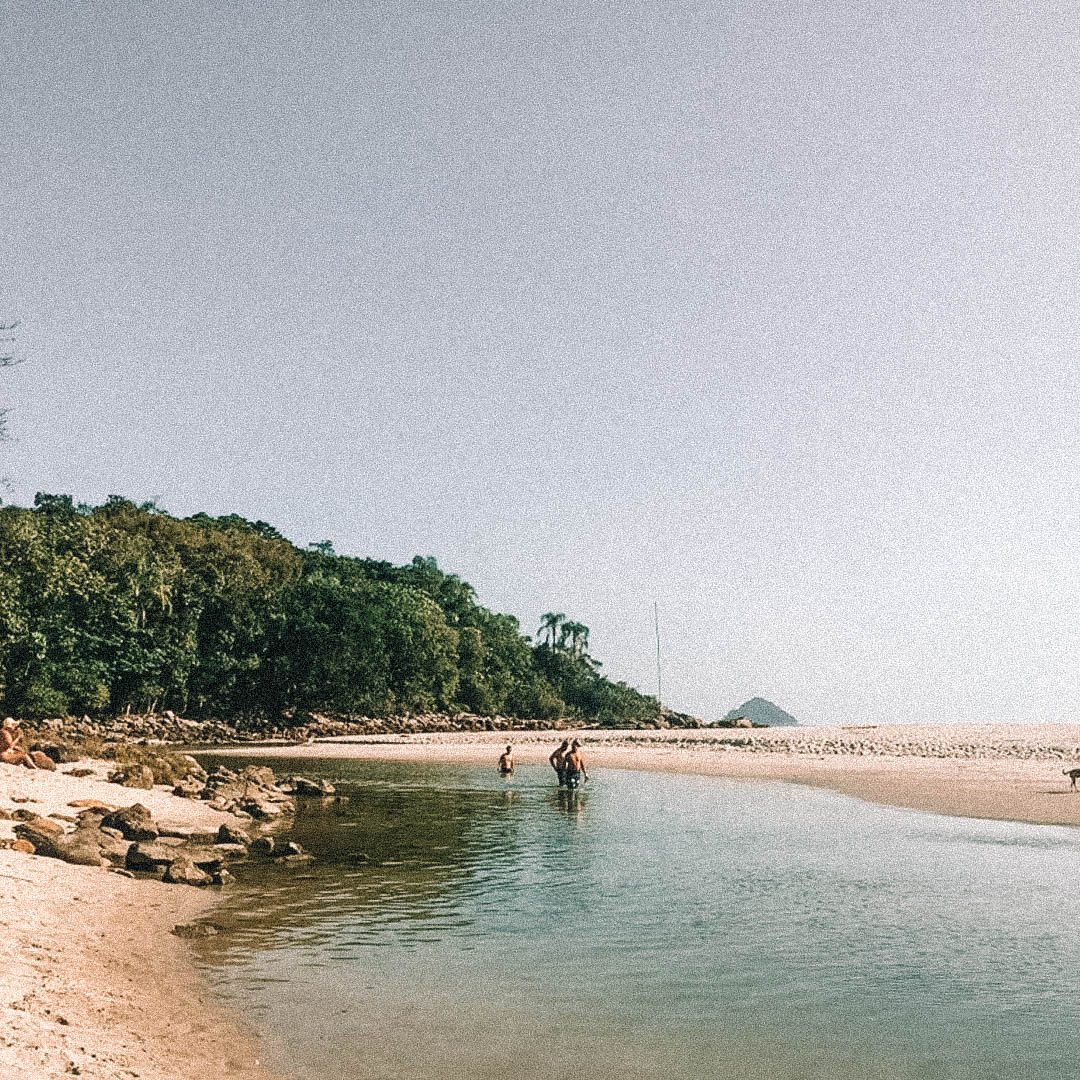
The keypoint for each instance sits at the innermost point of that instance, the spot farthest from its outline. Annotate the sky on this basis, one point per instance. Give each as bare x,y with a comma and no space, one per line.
764,312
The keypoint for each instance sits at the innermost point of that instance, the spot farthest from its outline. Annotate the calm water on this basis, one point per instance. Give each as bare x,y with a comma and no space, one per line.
653,926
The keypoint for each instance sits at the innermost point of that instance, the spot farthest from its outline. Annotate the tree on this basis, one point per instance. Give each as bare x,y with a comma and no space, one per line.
549,625
578,635
7,359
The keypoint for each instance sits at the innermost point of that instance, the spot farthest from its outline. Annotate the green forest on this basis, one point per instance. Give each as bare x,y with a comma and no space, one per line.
125,608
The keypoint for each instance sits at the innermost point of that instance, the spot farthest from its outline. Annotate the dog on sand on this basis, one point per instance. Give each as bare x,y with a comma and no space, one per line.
1073,775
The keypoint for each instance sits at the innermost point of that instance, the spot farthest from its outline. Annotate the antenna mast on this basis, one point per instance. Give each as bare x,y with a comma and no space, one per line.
656,625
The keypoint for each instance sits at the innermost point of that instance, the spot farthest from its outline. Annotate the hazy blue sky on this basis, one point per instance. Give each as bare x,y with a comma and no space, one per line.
765,309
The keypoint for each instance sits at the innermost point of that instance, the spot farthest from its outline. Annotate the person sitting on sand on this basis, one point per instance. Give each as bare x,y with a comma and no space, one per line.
506,762
11,745
558,756
574,765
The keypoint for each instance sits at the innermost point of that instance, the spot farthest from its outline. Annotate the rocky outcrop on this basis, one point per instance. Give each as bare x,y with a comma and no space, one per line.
133,775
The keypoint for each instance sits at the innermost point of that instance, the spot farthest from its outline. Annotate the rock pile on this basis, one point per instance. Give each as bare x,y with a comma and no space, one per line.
131,842
295,726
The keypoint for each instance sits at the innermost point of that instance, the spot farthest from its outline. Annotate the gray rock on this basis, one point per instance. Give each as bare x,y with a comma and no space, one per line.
226,834
133,775
150,857
135,822
183,871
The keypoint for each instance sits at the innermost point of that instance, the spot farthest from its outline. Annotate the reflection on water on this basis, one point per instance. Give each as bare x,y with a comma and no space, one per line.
458,924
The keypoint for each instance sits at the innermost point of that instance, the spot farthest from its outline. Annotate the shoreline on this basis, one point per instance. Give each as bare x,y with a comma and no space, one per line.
92,981
1004,772
93,984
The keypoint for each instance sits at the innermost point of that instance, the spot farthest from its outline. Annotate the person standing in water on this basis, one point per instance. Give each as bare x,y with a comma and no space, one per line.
506,762
574,766
558,757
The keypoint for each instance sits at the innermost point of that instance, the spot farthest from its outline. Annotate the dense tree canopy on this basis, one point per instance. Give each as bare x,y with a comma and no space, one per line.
120,607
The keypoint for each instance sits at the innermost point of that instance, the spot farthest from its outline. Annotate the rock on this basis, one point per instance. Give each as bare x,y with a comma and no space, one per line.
207,858
222,805
262,809
189,788
263,845
260,775
232,851
222,877
308,789
53,827
195,930
78,772
188,832
150,857
133,775
116,834
121,872
6,815
135,822
183,871
92,804
108,847
24,846
226,834
42,761
63,817
293,860
81,849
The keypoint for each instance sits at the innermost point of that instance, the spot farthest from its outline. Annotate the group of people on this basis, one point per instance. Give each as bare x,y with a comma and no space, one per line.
12,748
568,761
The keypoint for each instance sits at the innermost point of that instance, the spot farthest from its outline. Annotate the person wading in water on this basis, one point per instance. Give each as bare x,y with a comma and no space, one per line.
574,766
506,762
557,759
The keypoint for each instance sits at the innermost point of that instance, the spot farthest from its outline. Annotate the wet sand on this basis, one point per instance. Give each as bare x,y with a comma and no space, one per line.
92,982
1002,771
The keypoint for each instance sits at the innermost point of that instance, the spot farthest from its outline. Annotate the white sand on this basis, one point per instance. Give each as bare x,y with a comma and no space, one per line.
1003,771
92,983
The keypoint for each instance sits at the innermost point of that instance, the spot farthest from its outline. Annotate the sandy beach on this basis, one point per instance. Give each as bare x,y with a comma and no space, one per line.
92,982
1002,771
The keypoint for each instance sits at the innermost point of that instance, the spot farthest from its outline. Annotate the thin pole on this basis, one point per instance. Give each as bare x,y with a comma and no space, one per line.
656,624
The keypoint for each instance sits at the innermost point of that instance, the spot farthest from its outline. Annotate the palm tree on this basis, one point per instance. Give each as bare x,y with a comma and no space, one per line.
549,625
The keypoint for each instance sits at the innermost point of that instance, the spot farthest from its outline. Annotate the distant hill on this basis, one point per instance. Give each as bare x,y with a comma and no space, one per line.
759,711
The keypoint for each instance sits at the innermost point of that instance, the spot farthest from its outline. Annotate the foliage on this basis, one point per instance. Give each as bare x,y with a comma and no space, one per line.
119,607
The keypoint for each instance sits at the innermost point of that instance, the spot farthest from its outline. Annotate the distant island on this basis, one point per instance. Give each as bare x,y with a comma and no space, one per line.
760,713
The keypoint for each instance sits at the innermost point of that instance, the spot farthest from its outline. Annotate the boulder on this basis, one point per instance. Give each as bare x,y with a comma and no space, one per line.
80,847
308,789
42,761
259,775
183,871
189,788
135,822
263,845
24,846
262,809
150,857
133,775
226,834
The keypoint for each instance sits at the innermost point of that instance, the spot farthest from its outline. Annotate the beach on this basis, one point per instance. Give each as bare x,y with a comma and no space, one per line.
1008,772
92,982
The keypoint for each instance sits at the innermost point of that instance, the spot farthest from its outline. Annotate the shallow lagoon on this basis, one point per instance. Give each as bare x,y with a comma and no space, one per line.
652,926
